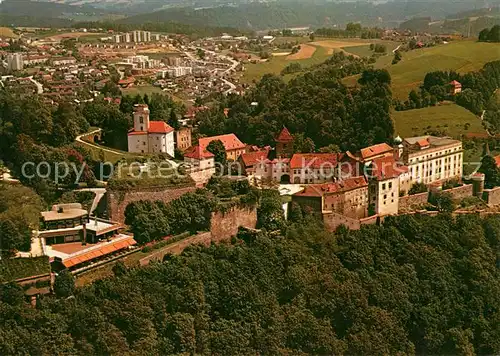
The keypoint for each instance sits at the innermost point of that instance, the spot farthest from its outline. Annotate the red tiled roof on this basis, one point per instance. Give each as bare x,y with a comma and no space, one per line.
284,136
104,250
130,133
375,150
159,127
423,142
318,190
251,158
386,167
127,81
497,160
230,142
195,152
313,160
455,83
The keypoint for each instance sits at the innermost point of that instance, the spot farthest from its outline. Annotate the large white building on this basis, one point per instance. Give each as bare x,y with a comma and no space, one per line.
15,61
431,159
150,136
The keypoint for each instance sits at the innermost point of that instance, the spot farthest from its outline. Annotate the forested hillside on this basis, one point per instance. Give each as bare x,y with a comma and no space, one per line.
315,105
272,15
414,285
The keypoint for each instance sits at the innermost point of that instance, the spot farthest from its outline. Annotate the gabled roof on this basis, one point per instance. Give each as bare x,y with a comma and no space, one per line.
385,168
455,83
318,190
252,158
423,142
284,136
159,127
313,160
195,152
375,150
230,142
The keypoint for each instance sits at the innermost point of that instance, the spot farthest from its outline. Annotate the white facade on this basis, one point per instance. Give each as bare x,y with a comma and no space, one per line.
15,62
431,159
384,195
150,136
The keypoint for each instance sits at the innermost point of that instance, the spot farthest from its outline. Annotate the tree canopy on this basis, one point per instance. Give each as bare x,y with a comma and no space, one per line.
415,285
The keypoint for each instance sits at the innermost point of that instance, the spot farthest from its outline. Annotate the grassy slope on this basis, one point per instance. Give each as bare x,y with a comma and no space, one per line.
461,56
276,64
450,118
7,32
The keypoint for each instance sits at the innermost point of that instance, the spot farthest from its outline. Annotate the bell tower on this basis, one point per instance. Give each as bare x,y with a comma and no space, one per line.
141,118
284,144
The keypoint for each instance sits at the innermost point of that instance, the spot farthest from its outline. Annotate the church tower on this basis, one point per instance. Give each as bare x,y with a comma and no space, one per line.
141,118
284,144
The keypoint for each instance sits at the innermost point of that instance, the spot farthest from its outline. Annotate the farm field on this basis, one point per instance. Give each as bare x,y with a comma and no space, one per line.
461,56
306,51
7,32
451,119
307,56
275,65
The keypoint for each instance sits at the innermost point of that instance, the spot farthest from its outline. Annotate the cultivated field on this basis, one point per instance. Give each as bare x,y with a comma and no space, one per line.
275,65
313,53
461,56
450,118
6,32
339,45
306,51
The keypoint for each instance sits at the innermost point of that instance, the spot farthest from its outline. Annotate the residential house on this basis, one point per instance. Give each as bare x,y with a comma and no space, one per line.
455,87
234,147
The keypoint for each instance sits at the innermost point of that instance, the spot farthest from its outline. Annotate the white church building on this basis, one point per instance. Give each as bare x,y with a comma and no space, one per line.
150,136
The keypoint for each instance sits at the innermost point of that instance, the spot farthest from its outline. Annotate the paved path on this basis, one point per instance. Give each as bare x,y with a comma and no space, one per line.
99,194
395,49
79,139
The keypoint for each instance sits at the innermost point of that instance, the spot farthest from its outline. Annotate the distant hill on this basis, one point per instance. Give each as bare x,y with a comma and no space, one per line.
46,9
261,16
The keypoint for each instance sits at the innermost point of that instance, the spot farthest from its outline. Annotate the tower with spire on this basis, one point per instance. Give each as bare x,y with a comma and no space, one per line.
284,144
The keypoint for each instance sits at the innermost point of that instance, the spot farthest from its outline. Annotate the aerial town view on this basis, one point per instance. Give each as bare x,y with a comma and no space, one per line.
249,177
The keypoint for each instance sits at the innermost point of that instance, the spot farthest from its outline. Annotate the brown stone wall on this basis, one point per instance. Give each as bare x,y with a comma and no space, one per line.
224,225
492,196
459,193
176,248
332,221
410,202
118,200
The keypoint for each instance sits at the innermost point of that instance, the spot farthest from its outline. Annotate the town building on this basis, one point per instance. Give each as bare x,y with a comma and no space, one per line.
60,61
348,197
15,62
150,136
183,138
456,87
250,160
200,164
432,159
35,59
74,240
384,176
313,168
234,147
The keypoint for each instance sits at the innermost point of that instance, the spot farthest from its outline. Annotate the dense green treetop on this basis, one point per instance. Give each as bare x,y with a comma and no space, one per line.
416,284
